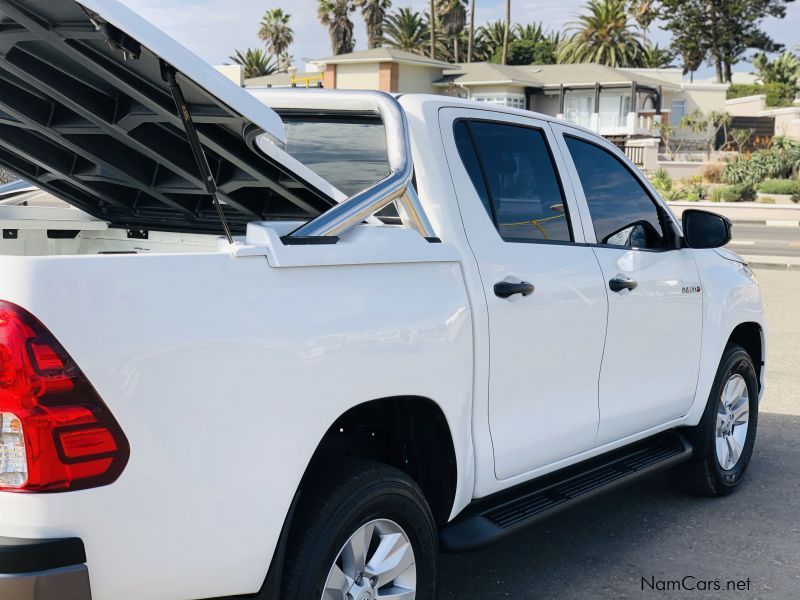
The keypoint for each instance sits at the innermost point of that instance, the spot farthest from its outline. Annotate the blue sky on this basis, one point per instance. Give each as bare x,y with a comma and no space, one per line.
215,28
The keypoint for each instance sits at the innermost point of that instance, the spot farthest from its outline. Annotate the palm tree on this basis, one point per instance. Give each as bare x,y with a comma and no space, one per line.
335,15
405,30
275,31
644,13
452,20
374,13
785,69
603,35
255,61
471,38
489,39
656,57
507,31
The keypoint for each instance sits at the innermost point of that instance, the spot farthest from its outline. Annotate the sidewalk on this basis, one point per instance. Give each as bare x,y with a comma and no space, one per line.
747,213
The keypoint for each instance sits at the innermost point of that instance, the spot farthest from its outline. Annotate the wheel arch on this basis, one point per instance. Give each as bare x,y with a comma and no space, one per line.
396,422
750,336
410,433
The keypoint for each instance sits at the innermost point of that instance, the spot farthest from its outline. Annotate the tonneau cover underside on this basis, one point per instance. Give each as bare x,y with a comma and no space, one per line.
86,114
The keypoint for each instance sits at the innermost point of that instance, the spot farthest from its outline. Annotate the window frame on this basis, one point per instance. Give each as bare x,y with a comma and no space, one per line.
562,131
555,165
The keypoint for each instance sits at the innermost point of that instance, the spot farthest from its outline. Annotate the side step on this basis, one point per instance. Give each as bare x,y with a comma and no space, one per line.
493,518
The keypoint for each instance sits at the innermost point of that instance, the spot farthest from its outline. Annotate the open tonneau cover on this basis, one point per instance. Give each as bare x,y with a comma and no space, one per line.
86,113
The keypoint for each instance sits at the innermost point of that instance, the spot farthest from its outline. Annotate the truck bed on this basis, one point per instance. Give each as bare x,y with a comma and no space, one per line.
208,361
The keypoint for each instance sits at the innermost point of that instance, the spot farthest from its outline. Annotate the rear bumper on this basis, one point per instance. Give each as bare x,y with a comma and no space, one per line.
43,570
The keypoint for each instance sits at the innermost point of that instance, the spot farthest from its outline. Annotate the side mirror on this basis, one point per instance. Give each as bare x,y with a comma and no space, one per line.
703,229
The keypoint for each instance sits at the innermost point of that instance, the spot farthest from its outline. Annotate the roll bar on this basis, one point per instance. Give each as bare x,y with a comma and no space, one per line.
395,187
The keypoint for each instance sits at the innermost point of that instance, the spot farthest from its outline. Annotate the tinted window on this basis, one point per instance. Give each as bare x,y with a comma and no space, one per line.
513,171
622,212
351,155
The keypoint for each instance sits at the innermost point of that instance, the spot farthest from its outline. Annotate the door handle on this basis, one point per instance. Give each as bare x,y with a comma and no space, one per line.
506,289
622,283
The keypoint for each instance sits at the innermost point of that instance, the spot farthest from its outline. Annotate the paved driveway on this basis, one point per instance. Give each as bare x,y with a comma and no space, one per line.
621,544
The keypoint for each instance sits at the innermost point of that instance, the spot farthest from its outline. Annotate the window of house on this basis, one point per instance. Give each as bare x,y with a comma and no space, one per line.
514,174
513,101
623,214
578,108
678,112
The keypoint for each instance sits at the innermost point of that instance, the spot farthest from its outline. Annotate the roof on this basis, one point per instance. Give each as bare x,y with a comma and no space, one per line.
485,73
378,55
545,75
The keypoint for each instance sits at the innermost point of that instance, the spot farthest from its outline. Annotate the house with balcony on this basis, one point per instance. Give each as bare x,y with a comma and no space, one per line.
620,104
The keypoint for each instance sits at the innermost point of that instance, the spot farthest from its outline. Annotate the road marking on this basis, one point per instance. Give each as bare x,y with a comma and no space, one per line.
742,242
782,223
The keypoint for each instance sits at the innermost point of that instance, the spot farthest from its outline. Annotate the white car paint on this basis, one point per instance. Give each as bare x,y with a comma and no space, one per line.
225,365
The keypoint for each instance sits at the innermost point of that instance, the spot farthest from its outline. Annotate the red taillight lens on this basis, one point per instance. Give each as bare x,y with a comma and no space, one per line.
56,434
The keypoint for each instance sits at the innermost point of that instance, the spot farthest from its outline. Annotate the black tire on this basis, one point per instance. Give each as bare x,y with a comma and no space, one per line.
703,475
335,503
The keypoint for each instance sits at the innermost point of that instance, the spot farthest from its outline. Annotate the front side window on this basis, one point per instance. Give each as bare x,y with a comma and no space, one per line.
623,214
514,174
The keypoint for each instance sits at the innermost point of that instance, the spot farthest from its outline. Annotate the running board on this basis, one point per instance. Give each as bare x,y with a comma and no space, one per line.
491,519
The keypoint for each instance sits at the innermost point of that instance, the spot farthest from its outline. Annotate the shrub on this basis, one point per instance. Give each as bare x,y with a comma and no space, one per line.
778,94
795,198
734,193
712,172
780,161
696,191
779,186
661,181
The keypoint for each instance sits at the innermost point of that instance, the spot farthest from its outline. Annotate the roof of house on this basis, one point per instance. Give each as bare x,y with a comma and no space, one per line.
545,75
383,55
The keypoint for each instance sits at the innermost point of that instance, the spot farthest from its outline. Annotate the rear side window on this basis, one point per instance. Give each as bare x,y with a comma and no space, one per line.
623,214
349,153
514,174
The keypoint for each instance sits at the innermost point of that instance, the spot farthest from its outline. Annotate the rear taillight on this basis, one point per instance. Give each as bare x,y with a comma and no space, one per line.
56,434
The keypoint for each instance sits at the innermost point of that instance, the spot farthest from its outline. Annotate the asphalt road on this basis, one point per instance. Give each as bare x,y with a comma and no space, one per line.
766,240
605,547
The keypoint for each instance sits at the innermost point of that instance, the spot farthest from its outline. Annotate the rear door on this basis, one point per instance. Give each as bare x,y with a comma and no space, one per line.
652,352
544,292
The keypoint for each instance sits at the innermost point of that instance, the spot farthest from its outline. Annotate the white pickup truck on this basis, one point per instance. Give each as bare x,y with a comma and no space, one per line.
288,344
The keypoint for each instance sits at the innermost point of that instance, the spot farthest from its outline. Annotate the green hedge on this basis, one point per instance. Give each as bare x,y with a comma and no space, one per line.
778,94
733,193
779,186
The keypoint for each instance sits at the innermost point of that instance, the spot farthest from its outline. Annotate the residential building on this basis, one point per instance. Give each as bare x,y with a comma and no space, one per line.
750,112
621,104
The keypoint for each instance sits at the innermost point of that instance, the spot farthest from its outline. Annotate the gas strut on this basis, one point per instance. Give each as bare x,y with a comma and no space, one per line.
194,141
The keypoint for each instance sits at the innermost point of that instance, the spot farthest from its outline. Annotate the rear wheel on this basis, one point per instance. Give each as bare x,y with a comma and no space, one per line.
725,437
362,532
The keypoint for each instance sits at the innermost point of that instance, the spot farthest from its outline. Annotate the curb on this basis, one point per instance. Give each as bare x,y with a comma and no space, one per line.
777,263
773,266
768,223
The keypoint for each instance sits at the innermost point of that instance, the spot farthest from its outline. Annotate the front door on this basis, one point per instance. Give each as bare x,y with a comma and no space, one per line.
545,295
652,351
